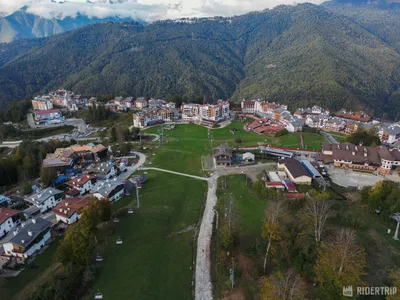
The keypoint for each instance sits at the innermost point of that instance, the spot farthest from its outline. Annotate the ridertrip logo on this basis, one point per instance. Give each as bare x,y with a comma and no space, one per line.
370,291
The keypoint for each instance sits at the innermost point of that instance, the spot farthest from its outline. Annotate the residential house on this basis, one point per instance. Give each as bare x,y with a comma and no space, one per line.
29,239
82,183
112,190
9,218
70,210
223,156
45,199
103,171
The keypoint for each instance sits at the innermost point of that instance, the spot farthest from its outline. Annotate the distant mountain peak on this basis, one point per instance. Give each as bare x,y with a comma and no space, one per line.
108,1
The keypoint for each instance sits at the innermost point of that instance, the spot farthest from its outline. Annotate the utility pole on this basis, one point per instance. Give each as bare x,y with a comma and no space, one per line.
216,213
137,193
232,273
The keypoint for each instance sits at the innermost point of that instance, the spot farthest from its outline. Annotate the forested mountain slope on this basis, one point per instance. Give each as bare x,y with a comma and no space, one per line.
302,54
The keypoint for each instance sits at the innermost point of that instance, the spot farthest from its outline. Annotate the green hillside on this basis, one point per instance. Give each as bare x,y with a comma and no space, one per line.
301,55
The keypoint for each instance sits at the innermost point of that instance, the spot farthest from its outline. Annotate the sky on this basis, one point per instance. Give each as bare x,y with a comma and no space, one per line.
148,10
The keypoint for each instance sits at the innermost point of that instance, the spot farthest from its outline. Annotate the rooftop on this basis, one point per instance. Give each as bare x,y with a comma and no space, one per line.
28,233
6,213
294,167
42,196
68,207
80,180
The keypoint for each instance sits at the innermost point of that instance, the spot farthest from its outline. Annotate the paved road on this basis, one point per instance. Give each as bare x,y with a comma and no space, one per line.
330,137
132,169
203,285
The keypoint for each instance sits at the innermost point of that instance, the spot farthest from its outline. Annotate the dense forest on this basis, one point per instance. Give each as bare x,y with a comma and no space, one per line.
301,55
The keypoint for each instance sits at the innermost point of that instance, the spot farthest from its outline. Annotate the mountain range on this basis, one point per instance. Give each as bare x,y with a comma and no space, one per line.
335,55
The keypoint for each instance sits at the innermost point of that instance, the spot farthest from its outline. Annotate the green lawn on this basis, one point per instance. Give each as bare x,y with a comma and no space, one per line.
188,142
14,285
151,263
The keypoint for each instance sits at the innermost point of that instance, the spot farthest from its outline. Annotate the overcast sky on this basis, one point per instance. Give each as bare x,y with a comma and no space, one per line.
148,10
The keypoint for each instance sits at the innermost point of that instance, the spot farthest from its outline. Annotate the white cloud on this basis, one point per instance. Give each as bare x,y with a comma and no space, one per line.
148,10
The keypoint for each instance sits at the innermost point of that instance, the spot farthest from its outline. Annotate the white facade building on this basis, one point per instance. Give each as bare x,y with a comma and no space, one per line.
28,239
45,199
8,220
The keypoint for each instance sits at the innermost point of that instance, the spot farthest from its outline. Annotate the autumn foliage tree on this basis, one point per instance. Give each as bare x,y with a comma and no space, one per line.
283,286
317,211
340,263
271,230
78,244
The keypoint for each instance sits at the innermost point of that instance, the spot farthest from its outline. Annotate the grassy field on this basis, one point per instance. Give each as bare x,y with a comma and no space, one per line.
248,211
188,142
13,288
382,252
155,260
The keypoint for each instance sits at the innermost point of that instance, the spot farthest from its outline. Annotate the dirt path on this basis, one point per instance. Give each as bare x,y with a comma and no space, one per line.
203,288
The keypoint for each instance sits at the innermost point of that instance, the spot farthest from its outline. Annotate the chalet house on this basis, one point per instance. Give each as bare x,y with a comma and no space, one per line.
103,171
295,171
65,158
9,218
223,156
82,183
29,239
45,199
70,210
112,190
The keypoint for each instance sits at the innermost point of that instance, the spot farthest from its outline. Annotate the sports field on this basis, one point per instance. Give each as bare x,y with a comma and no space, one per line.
188,142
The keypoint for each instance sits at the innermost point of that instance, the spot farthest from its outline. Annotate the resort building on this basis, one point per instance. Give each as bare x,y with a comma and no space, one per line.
360,158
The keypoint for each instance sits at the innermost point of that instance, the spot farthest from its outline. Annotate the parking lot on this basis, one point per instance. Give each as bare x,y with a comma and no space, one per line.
349,178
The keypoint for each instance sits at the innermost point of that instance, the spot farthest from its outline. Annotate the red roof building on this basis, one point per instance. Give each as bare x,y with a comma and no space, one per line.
70,210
